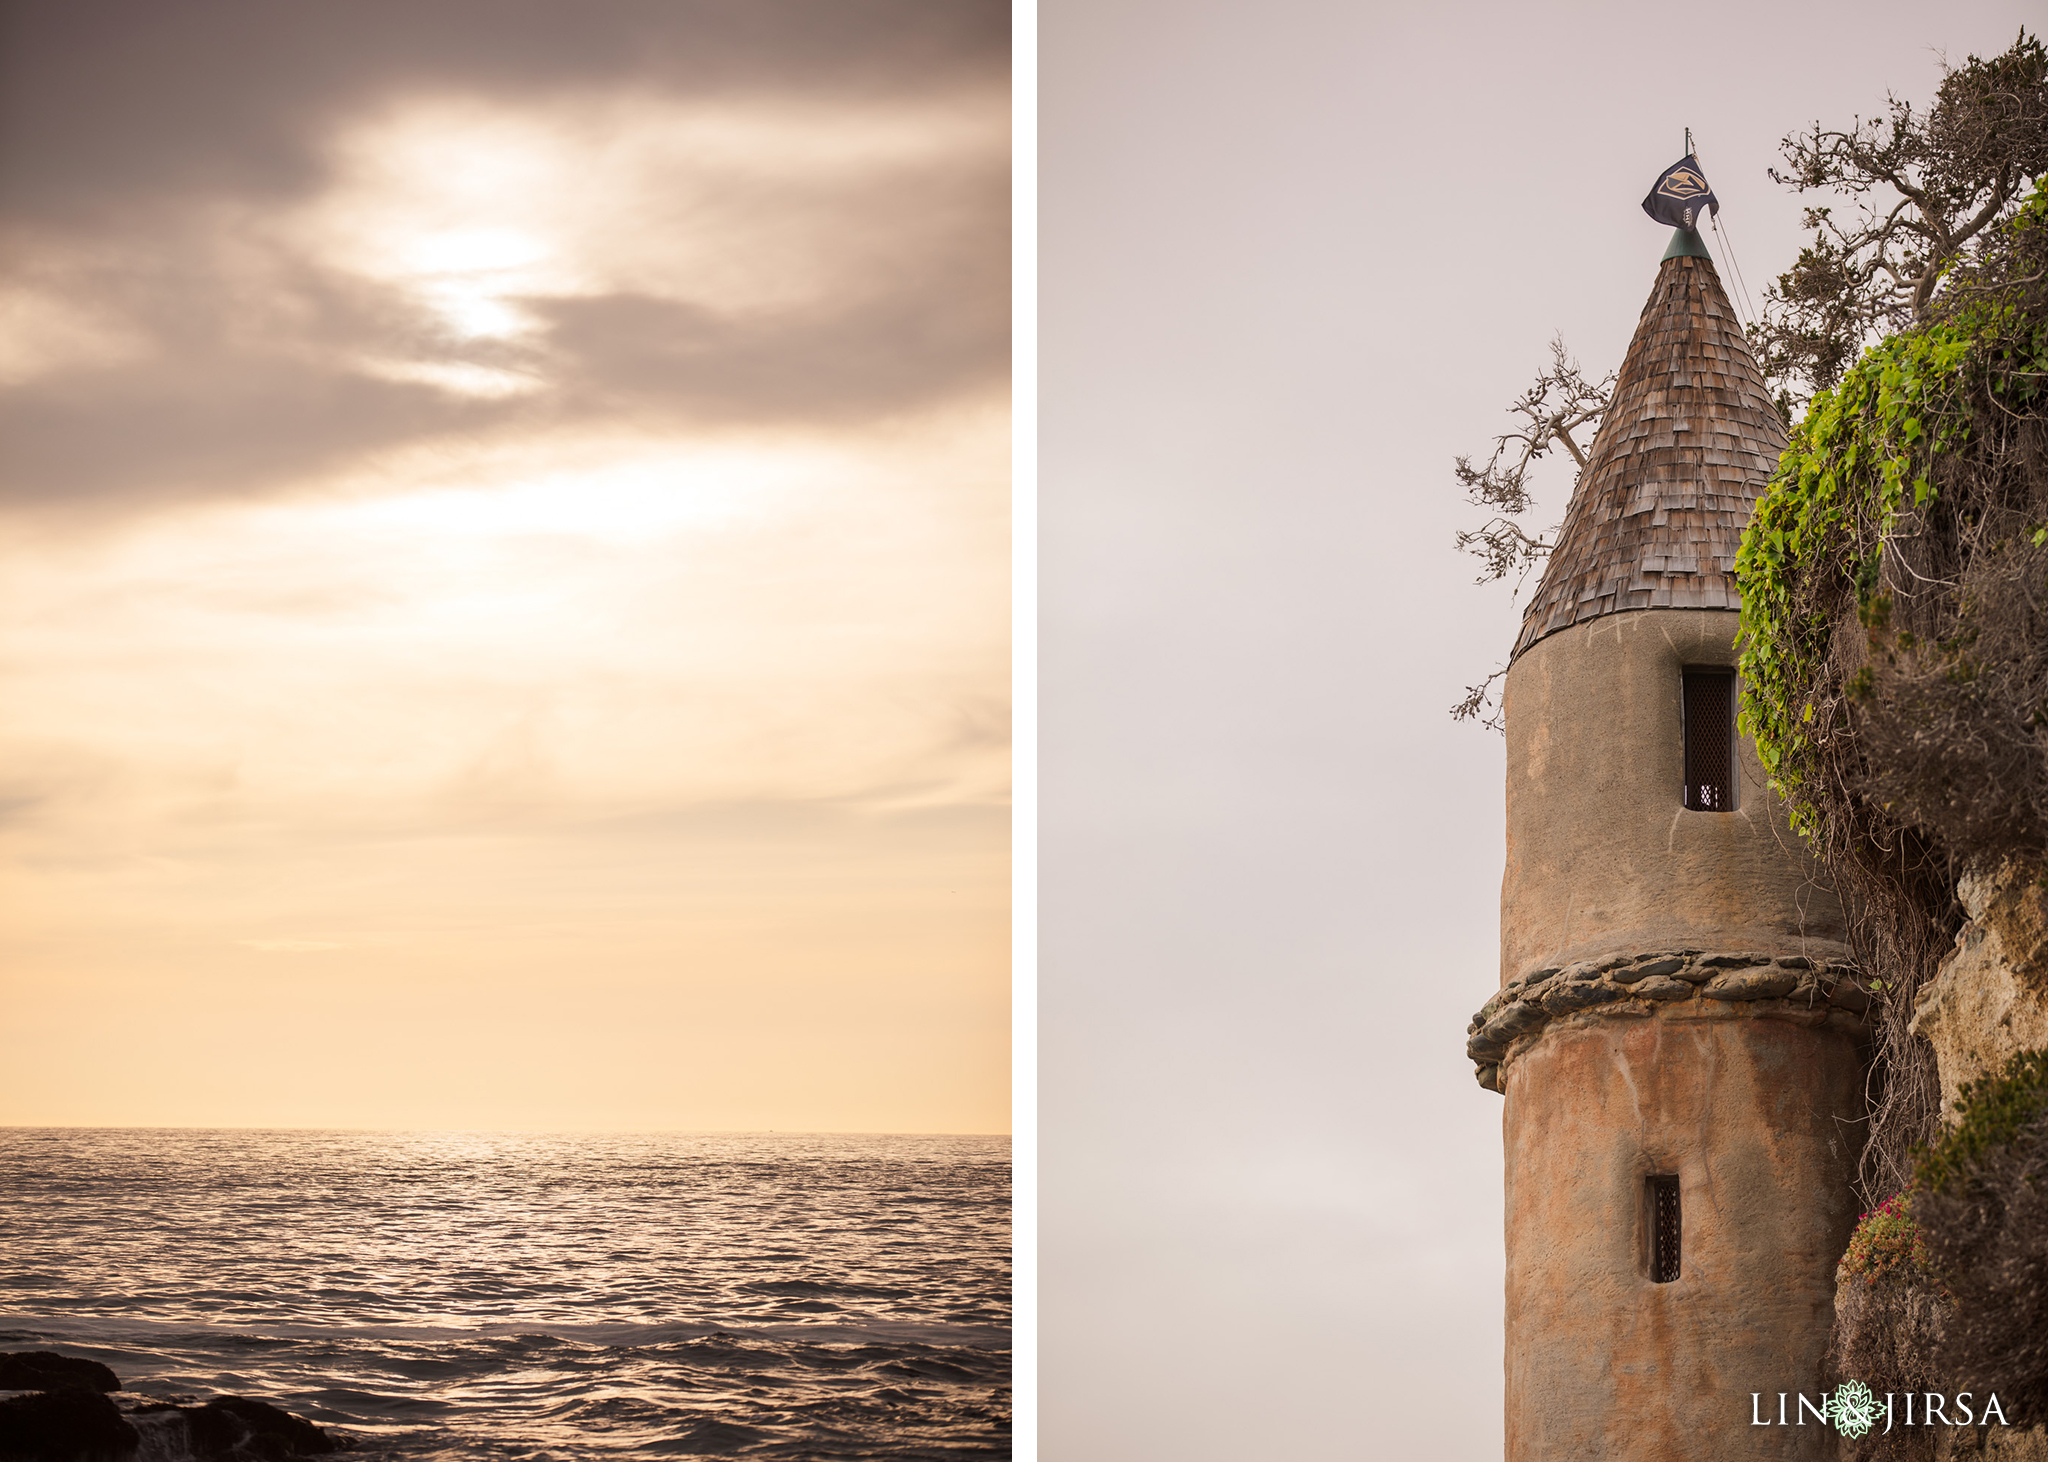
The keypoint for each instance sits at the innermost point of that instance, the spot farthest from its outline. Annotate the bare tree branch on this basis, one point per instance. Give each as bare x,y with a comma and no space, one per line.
1560,402
1479,704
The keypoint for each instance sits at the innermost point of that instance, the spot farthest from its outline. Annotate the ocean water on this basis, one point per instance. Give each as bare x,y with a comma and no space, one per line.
461,1295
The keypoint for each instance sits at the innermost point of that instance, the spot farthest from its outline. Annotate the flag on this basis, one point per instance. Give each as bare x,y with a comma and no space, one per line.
1681,195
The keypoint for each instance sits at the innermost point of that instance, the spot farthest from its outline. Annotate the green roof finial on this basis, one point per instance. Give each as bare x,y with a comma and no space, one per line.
1686,243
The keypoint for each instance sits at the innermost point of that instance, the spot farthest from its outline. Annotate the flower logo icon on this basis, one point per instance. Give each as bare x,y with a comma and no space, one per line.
1853,1409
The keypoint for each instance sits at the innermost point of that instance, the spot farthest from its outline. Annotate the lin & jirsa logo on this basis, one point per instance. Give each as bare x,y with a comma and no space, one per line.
1853,1409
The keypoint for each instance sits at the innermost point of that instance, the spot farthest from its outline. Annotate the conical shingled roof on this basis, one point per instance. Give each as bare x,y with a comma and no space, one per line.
1682,455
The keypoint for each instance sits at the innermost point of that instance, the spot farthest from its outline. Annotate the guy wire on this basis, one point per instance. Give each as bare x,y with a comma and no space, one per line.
1747,304
1734,268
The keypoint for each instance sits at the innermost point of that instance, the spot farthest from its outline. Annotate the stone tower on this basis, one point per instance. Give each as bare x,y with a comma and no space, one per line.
1679,1045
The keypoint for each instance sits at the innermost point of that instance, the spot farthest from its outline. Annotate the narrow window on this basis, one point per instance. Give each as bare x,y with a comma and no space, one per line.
1664,1228
1709,740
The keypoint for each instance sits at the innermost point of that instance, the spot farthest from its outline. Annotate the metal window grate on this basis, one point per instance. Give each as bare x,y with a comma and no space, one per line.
1664,1229
1710,740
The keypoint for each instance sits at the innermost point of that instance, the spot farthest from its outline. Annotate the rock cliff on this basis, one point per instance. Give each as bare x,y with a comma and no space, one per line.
1990,999
1975,1304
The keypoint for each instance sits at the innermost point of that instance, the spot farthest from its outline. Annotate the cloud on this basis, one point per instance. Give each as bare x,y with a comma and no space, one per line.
103,101
232,285
506,495
874,356
557,632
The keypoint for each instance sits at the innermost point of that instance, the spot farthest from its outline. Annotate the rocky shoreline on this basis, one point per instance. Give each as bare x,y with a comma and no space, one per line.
57,1408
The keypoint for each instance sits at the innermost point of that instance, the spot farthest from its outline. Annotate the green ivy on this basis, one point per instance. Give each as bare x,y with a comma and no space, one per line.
1863,456
1833,501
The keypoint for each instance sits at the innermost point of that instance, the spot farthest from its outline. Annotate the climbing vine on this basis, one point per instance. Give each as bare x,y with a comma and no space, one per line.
1912,467
1895,633
1819,534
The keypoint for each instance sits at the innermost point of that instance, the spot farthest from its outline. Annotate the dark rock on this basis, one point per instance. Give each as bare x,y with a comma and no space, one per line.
45,1370
1669,965
1488,1077
73,1425
1793,962
1541,975
1733,961
1660,988
1563,999
235,1426
1517,1019
1481,1049
1850,996
234,1429
1766,983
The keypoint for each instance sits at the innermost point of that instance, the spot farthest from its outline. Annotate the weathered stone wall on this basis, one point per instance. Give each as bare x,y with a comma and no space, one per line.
1602,857
1676,998
1740,1100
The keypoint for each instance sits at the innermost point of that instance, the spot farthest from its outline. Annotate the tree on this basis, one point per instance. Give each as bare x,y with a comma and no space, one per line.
1925,189
1561,401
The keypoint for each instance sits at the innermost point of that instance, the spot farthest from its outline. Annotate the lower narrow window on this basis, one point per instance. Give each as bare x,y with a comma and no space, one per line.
1664,1228
1709,740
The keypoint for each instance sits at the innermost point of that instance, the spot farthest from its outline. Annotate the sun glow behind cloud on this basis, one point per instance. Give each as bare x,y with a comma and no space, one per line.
472,211
564,730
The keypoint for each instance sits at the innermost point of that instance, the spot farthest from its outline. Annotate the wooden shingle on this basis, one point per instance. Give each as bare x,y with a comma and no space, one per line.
1682,455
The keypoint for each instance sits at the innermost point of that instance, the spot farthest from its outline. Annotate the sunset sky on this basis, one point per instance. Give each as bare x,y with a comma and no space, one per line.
504,564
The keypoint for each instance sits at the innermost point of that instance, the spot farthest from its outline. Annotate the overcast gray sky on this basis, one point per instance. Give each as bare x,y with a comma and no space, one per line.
1295,255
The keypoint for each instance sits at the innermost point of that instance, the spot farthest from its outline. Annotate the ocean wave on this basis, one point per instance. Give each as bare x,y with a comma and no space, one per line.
116,1330
452,1298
